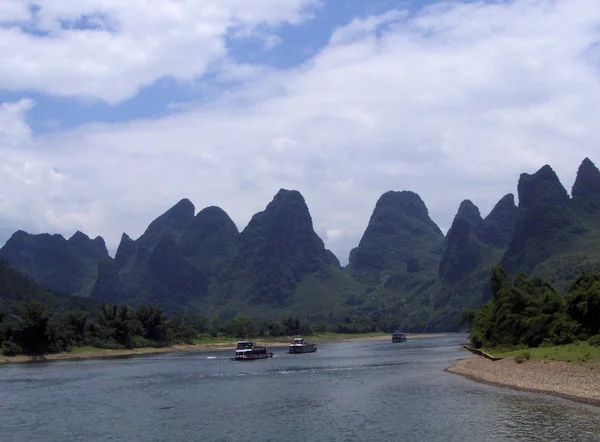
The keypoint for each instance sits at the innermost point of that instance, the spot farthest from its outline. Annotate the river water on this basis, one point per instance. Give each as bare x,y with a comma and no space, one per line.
349,391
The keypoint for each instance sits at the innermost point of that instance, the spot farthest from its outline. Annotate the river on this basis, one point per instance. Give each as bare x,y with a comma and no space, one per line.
346,391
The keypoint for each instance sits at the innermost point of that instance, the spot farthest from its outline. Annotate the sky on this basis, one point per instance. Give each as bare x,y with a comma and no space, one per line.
111,111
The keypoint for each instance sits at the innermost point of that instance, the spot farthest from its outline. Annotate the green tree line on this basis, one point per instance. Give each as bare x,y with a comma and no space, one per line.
38,328
525,311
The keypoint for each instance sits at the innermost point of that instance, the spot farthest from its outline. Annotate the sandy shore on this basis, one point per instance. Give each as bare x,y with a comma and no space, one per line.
101,353
576,382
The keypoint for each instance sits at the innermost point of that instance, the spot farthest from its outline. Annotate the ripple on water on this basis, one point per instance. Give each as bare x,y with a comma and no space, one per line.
345,391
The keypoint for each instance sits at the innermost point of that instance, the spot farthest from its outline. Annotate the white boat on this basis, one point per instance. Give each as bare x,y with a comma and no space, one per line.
299,345
247,350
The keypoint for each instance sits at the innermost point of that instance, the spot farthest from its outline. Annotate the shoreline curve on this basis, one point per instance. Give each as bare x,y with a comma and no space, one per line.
577,383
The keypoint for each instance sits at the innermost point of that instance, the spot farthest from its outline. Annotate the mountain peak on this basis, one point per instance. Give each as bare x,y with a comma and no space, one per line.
79,237
547,173
543,213
210,239
183,211
407,202
100,241
498,226
506,202
174,221
543,185
288,194
287,210
469,212
586,190
400,236
280,244
213,218
125,251
587,163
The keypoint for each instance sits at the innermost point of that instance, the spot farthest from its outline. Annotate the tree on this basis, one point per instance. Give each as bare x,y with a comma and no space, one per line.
32,333
74,324
153,322
118,323
522,311
291,326
241,328
583,304
181,328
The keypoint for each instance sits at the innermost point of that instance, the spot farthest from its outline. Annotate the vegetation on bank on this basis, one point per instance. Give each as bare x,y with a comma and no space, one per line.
579,351
34,321
530,313
38,329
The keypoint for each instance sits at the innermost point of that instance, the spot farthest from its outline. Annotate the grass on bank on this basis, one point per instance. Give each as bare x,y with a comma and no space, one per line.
88,349
315,337
207,340
577,352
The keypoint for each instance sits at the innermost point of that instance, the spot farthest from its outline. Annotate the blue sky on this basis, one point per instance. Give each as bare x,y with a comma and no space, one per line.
112,111
297,43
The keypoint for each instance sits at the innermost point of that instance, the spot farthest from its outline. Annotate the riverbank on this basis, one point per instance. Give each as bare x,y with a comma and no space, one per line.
575,381
85,353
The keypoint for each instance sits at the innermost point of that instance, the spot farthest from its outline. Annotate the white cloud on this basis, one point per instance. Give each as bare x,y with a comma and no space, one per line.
453,103
13,10
14,130
134,44
364,27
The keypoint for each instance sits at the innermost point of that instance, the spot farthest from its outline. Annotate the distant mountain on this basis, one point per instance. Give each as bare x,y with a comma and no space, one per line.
586,190
404,271
463,246
496,229
153,268
472,246
203,262
209,242
397,260
544,222
16,289
555,236
173,223
279,247
401,238
65,266
474,243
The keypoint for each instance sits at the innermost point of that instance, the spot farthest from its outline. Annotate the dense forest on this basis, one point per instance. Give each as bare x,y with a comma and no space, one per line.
525,311
38,329
34,320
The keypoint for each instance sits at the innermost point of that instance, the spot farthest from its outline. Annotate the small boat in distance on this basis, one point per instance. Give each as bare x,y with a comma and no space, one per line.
398,336
299,345
247,350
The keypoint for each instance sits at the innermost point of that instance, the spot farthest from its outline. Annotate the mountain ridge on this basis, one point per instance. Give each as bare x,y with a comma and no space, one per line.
403,270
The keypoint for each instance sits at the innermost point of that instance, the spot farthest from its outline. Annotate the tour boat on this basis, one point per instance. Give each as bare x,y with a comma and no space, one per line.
299,345
247,350
398,336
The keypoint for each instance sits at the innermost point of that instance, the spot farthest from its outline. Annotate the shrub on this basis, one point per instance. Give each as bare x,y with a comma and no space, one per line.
525,356
141,342
594,340
11,349
105,343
